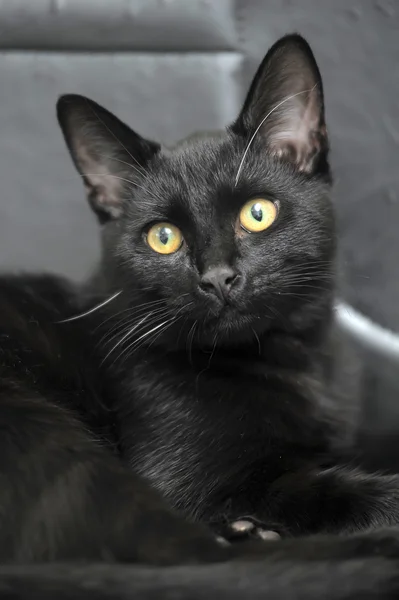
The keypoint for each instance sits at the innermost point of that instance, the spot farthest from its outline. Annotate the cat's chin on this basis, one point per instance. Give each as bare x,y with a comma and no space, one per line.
231,326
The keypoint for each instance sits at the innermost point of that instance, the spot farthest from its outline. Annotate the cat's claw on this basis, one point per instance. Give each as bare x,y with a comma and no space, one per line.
249,528
268,535
222,541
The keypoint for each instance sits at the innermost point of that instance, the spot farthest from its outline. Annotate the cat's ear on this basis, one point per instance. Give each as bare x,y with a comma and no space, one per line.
285,105
107,153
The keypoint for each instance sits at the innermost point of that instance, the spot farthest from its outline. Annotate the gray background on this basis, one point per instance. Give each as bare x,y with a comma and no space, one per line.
168,67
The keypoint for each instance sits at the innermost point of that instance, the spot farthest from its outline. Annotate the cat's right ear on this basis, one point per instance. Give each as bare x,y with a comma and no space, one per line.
106,152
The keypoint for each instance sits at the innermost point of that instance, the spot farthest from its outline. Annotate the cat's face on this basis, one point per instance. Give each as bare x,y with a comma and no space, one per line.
226,235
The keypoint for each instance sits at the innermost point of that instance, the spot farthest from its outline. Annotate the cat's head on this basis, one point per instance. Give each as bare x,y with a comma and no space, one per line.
228,235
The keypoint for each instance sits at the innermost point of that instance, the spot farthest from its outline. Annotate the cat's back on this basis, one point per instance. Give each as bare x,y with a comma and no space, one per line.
41,352
31,308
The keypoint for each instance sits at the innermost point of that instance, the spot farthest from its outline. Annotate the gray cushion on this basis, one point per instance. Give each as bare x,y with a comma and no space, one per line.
141,25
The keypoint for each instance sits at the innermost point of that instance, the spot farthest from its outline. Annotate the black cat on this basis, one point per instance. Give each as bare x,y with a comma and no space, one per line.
202,357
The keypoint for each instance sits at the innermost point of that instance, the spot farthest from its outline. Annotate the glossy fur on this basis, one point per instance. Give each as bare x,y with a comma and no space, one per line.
146,389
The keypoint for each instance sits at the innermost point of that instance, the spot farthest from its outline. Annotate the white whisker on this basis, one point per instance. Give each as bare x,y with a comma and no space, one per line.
119,342
130,309
258,340
213,351
135,345
169,324
118,330
147,333
189,342
88,312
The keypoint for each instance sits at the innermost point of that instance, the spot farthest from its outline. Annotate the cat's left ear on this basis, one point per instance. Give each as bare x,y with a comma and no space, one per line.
285,105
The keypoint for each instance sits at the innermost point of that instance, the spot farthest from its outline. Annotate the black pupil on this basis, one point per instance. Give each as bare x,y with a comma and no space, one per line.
256,212
164,235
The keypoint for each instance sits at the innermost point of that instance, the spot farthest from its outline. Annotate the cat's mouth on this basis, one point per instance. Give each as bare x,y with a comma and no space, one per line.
230,319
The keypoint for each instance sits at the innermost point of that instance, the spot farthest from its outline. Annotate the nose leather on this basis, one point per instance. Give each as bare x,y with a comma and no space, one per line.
219,281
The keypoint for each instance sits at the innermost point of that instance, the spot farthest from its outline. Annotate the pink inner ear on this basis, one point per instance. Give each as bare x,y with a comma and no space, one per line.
295,132
98,179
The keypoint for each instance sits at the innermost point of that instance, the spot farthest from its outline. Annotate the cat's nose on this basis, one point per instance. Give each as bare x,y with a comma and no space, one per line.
219,281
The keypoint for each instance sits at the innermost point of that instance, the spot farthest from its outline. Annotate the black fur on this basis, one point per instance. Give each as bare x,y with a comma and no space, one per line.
229,404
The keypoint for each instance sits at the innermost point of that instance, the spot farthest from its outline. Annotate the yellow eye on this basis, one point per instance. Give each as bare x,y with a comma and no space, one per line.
258,215
164,238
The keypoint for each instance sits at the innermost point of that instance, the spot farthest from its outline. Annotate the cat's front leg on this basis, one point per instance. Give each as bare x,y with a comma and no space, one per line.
336,500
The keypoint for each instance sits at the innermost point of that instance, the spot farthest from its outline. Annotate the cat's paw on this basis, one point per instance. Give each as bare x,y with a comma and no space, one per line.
248,528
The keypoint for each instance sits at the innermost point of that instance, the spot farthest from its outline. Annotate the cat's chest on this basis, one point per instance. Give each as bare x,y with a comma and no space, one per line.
195,433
